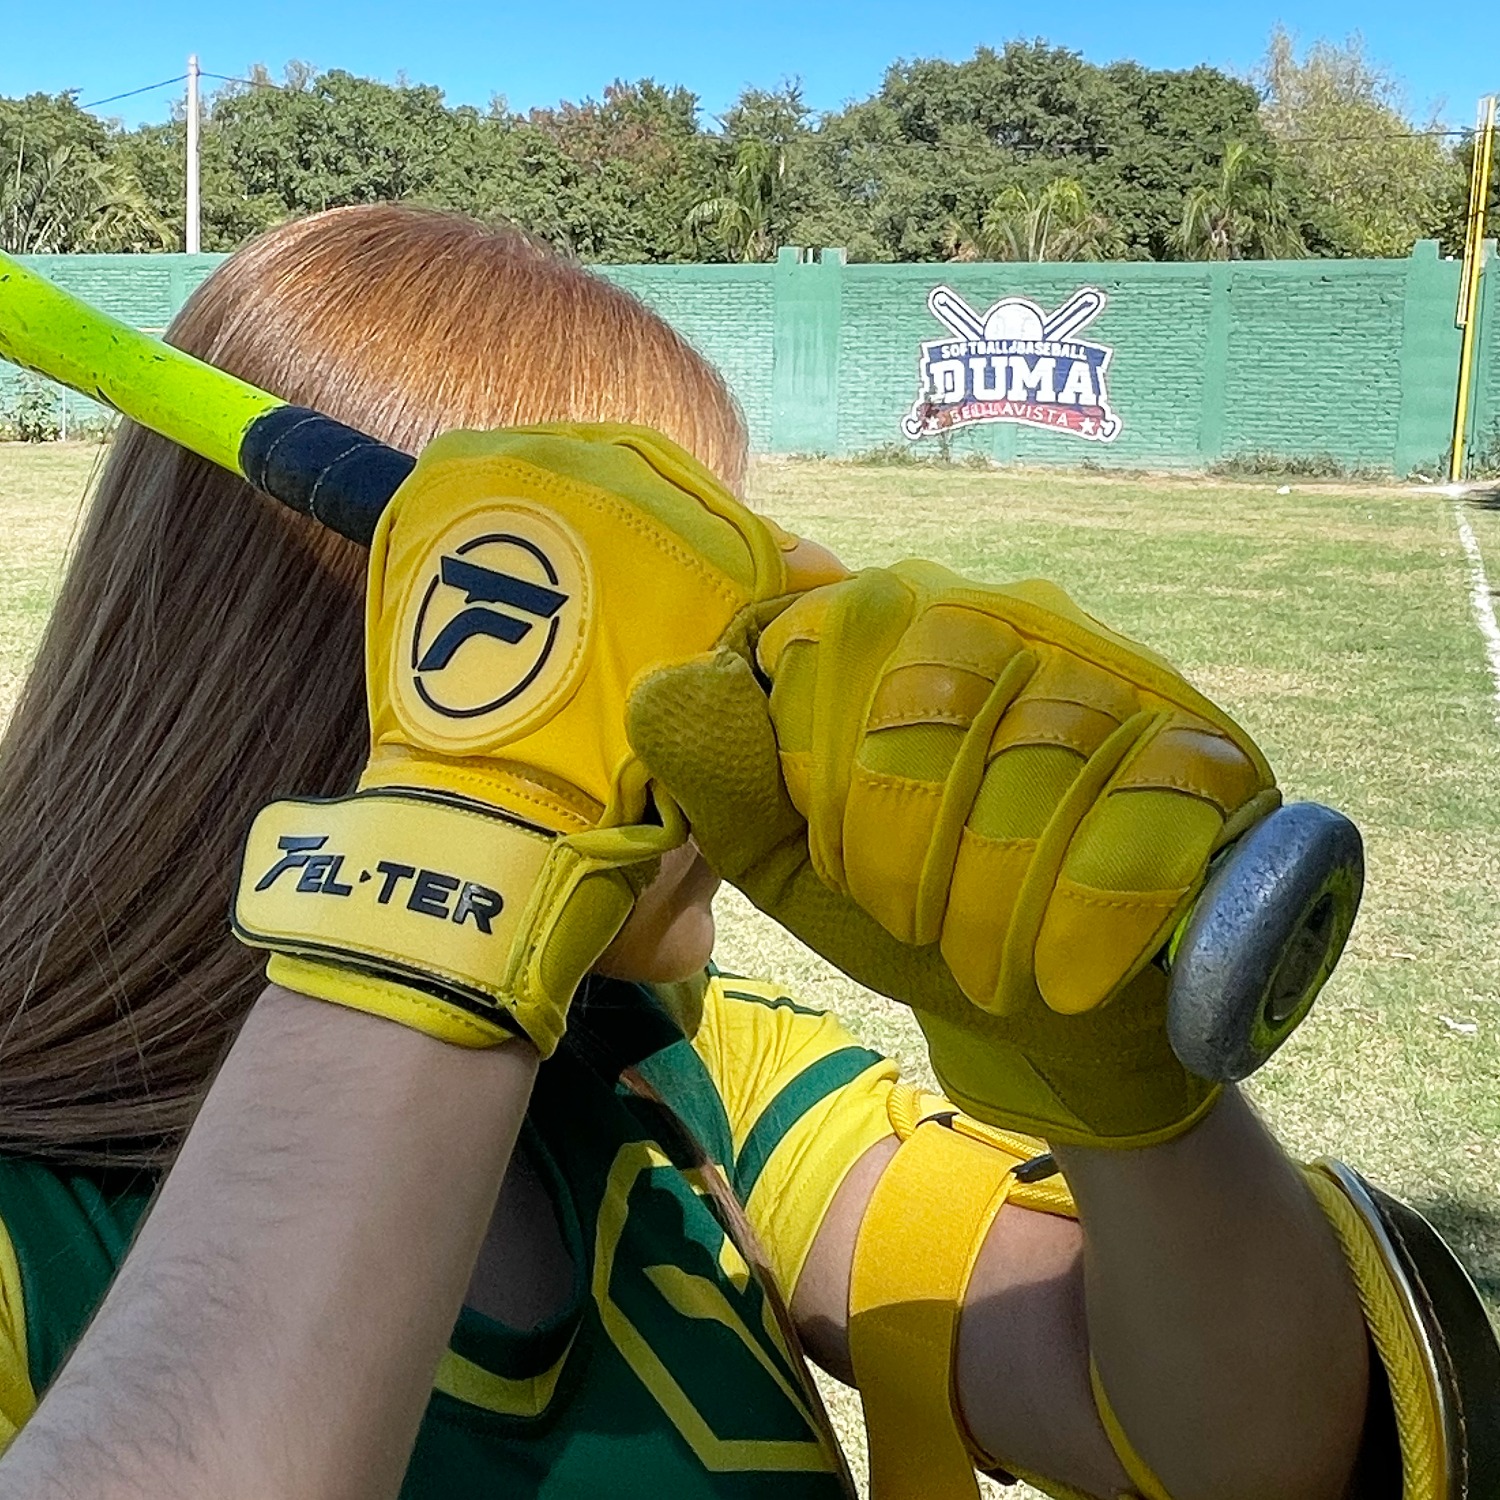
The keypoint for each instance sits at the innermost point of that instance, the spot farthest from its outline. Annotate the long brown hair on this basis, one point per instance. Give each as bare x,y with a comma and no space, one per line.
204,655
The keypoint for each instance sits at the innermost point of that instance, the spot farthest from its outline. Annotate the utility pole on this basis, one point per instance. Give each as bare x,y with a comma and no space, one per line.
192,239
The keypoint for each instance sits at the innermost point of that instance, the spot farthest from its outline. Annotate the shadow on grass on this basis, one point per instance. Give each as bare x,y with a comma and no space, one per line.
1472,1230
1485,499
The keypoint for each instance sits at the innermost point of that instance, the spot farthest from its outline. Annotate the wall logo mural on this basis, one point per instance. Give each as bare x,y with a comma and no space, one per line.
1015,363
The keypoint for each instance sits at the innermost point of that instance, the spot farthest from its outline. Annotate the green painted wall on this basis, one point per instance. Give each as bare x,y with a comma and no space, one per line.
1356,359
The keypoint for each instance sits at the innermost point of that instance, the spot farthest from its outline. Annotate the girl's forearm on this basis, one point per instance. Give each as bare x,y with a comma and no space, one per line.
1221,1318
275,1328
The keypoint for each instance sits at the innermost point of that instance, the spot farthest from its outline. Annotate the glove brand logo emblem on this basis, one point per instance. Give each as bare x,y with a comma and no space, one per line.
482,587
428,895
495,625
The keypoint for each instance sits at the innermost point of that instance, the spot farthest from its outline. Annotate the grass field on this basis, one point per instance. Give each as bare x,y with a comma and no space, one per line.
1336,623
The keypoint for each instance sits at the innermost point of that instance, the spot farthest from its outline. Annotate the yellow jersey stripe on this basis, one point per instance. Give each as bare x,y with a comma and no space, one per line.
17,1398
808,1164
465,1381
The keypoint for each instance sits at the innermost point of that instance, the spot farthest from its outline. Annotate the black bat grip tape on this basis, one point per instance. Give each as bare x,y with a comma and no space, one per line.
333,473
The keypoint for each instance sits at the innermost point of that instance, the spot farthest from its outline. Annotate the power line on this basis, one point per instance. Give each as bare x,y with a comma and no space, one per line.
254,83
1073,148
131,93
1388,135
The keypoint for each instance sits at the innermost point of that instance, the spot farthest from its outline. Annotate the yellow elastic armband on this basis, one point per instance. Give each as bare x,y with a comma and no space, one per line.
918,1242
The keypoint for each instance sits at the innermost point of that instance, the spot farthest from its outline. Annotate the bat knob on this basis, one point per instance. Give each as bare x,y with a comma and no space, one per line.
1262,939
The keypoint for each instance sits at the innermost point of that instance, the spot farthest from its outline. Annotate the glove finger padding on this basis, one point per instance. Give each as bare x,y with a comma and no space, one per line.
976,761
519,583
705,731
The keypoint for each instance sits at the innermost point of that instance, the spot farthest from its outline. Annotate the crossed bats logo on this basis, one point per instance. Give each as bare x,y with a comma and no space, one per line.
1015,362
498,605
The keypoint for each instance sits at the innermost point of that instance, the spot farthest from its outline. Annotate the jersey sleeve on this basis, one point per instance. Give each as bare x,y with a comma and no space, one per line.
17,1398
63,1233
804,1102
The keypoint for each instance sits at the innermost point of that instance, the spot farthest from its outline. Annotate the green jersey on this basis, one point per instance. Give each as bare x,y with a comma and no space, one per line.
667,1373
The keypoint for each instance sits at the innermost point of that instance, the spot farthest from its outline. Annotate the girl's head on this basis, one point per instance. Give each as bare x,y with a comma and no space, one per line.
204,655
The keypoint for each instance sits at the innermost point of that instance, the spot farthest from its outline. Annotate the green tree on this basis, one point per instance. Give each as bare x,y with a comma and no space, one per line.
1056,223
270,151
607,180
941,141
1022,150
1168,136
63,189
758,190
1452,225
1375,179
739,218
613,179
323,140
1245,215
49,121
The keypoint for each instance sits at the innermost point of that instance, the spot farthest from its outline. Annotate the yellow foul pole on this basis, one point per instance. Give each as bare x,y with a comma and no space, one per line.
1473,268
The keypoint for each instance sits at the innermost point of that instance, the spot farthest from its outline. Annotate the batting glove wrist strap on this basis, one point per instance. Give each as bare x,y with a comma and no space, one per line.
445,914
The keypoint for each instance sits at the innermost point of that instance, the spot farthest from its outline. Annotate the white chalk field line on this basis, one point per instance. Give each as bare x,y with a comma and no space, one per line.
1481,598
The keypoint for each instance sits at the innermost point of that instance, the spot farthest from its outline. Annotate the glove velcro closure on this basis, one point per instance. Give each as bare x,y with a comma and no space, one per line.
444,914
945,1191
918,1242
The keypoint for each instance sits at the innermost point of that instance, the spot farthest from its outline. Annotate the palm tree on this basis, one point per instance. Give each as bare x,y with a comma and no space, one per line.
1056,224
66,202
1243,216
31,213
742,217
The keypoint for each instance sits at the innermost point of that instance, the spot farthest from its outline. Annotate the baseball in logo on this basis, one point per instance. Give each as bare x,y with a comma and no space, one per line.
495,626
1015,363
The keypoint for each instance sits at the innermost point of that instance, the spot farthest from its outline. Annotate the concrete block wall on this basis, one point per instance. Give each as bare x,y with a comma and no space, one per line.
729,312
1357,359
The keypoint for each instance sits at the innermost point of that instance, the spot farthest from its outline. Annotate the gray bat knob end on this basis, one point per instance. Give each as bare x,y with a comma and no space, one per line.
1262,939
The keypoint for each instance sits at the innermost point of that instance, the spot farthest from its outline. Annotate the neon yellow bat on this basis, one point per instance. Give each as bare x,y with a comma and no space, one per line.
304,459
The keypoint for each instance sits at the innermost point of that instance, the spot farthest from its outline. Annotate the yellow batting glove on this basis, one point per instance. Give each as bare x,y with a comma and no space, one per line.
975,760
981,803
520,582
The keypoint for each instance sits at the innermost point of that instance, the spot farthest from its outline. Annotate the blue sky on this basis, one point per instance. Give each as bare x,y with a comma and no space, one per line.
538,53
